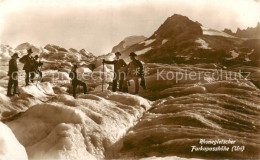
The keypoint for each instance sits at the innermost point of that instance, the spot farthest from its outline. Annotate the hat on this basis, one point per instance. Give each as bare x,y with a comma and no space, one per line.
118,53
15,54
75,66
36,56
132,54
30,50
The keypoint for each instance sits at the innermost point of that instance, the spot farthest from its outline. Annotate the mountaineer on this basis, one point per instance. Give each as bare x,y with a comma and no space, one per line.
28,62
75,82
119,74
135,71
13,75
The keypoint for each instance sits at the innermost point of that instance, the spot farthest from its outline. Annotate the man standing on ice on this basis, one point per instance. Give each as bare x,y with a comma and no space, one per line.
75,82
38,64
13,76
135,71
28,62
118,74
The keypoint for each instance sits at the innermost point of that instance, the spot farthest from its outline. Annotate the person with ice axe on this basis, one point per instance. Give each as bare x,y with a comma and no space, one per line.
118,74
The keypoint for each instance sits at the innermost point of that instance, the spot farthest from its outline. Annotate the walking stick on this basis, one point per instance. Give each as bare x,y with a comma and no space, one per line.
103,76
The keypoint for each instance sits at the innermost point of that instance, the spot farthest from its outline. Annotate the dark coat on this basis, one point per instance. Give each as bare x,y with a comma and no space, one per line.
135,66
28,63
117,64
12,67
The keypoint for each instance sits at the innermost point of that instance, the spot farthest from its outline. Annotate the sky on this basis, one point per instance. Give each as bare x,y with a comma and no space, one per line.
98,25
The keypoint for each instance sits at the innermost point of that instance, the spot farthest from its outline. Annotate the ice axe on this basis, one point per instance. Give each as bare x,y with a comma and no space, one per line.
103,63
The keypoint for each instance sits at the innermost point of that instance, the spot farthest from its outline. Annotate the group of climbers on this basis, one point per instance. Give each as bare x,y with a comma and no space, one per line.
31,67
122,73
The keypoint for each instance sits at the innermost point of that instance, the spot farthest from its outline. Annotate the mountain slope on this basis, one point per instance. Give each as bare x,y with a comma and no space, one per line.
128,41
181,40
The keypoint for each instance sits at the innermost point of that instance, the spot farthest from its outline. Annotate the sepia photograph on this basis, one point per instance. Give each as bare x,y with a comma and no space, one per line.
129,79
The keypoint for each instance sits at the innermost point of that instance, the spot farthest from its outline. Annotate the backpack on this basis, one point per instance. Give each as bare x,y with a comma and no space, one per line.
23,59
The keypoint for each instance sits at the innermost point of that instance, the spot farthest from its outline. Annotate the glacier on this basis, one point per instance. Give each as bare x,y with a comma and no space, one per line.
162,122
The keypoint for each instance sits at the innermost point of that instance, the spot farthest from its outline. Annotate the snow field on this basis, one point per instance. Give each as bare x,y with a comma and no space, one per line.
68,128
10,148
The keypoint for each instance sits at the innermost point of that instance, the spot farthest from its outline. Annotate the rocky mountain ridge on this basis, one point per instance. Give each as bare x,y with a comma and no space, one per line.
250,32
181,40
